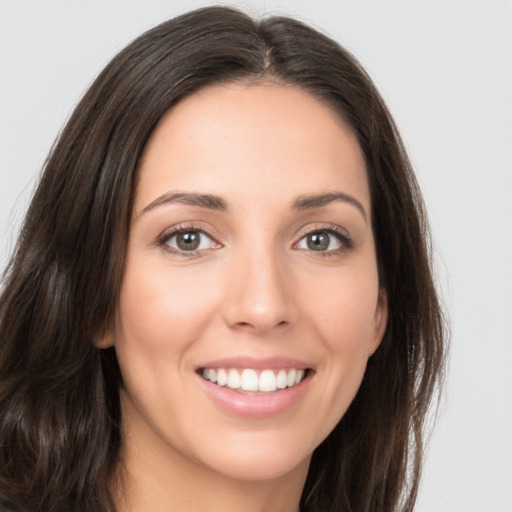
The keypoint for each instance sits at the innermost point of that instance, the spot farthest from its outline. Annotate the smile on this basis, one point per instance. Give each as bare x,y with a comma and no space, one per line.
250,380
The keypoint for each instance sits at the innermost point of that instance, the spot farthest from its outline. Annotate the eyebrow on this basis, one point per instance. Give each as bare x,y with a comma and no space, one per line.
319,200
213,202
202,200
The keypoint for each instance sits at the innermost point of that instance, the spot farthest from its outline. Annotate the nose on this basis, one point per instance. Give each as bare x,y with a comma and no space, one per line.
259,295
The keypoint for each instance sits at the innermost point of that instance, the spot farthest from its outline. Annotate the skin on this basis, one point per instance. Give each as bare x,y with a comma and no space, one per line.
255,288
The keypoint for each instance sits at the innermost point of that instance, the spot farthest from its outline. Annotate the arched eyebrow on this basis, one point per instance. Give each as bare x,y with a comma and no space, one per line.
202,200
319,200
213,202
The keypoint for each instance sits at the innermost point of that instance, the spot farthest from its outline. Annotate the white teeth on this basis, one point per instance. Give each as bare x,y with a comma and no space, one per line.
281,380
290,379
267,381
222,377
248,380
233,379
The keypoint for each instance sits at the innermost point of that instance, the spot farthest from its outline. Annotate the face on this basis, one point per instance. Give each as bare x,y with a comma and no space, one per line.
250,302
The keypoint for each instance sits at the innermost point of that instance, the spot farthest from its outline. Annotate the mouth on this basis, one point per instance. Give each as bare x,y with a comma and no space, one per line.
256,388
255,382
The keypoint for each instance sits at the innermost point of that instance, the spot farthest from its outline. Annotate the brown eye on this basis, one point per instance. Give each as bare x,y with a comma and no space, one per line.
318,241
188,241
324,240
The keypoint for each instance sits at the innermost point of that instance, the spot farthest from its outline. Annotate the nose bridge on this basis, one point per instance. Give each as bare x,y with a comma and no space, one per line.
258,294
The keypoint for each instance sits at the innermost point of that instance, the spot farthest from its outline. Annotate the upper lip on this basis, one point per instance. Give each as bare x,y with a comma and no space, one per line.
255,363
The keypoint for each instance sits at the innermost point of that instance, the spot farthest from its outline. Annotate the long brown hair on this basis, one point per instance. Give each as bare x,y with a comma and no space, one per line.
59,395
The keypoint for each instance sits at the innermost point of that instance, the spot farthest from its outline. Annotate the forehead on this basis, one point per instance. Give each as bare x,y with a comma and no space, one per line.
246,140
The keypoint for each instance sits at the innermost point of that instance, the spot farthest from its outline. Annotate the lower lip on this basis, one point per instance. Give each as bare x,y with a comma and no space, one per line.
255,406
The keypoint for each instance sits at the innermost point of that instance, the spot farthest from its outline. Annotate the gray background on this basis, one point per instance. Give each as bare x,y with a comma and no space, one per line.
445,69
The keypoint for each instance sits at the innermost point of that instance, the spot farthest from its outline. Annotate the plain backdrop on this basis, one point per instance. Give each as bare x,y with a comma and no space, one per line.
445,69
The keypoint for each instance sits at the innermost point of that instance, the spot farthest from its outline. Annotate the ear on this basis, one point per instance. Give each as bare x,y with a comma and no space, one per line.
104,339
381,321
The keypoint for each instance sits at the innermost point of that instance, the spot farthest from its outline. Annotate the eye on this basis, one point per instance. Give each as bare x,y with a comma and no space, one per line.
188,240
324,240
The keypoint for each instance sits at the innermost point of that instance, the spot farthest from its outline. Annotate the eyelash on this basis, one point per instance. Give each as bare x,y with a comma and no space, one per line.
163,240
345,240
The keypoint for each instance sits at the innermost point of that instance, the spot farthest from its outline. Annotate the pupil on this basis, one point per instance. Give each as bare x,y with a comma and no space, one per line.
188,241
318,241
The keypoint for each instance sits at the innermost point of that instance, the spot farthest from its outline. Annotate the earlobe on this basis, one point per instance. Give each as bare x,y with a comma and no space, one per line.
104,340
381,320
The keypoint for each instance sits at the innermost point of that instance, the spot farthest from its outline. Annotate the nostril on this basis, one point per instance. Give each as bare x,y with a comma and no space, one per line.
259,326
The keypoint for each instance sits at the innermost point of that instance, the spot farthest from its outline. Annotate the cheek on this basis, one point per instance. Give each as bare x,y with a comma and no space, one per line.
344,308
158,306
162,313
343,318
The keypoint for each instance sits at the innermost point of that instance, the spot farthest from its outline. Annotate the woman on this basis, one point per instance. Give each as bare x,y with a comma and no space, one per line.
221,296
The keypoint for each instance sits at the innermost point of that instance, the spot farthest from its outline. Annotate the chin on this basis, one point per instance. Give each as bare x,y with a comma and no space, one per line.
261,469
262,456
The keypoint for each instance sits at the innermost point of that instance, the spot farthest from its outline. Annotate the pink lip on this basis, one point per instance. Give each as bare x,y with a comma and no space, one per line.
255,406
255,363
